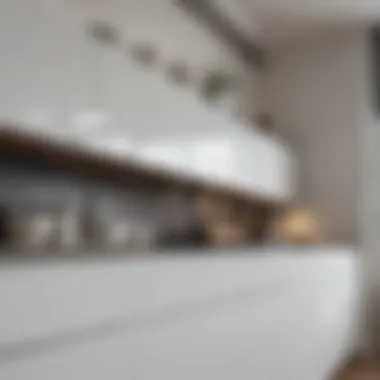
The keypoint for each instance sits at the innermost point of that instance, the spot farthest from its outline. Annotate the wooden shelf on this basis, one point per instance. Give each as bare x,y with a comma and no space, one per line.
75,159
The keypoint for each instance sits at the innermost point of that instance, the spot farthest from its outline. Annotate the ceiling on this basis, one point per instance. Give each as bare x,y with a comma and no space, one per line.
274,22
279,22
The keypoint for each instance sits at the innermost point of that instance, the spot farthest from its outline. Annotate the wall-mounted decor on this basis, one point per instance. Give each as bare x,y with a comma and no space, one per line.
103,33
144,54
178,72
297,226
216,83
227,221
263,120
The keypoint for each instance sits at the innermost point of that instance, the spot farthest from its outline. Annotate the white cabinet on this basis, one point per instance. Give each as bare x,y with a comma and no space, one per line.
287,316
43,65
18,30
54,78
249,162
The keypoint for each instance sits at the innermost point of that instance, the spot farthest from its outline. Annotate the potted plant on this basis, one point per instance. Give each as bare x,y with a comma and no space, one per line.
220,87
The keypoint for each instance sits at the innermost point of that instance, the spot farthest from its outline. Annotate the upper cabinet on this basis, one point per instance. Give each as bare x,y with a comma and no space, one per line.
44,65
248,162
57,79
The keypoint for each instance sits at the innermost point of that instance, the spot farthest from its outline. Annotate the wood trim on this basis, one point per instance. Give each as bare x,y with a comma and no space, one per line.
358,367
75,159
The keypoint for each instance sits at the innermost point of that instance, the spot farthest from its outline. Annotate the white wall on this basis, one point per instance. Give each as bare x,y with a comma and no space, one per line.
268,314
316,93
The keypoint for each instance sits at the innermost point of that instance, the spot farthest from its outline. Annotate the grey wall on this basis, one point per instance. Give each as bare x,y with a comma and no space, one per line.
323,99
369,335
315,92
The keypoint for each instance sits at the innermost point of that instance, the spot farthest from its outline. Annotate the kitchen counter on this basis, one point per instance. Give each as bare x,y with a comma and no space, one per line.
181,252
262,311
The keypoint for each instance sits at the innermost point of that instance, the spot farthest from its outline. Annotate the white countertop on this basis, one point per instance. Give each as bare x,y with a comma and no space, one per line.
255,312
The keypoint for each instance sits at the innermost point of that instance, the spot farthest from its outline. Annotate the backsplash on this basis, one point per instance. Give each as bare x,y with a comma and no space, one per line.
45,209
31,192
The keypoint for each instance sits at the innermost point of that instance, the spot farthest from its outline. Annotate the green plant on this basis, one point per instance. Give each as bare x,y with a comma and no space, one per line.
215,83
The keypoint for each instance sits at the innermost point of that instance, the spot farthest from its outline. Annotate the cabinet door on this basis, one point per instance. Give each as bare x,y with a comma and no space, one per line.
73,83
288,333
42,70
283,316
19,35
112,358
259,340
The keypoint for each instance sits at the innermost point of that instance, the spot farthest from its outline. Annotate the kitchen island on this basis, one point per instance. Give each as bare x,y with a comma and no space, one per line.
267,313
